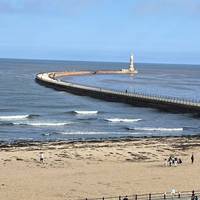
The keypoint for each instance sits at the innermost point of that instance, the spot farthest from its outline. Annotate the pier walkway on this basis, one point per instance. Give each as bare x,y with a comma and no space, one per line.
137,99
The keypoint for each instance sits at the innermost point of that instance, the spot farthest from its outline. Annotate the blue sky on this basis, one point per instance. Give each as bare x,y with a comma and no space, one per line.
157,31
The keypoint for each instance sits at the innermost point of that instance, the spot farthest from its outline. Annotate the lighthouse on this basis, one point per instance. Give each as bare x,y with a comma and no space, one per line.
131,69
131,66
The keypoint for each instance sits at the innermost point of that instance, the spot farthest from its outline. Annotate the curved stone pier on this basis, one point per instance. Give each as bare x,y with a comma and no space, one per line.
165,103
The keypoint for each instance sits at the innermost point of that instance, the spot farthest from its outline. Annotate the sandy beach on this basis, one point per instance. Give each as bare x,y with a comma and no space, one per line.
78,170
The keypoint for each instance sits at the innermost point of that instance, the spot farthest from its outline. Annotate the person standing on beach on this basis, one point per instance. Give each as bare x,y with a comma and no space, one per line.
192,158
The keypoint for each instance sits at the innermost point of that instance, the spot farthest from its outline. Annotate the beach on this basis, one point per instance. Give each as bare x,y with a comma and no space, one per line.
90,169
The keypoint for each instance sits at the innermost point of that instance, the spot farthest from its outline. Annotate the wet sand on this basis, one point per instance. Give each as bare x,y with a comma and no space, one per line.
95,169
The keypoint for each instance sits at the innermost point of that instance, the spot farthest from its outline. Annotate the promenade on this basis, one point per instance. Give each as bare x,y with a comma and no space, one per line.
52,80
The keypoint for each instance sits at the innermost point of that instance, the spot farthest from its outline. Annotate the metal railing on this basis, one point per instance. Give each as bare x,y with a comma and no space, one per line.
186,195
49,77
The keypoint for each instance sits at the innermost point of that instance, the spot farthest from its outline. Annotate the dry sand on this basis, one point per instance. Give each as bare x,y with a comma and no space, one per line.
96,169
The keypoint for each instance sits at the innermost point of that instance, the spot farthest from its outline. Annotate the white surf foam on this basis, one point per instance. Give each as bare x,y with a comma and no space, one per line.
14,117
155,129
46,134
43,123
92,112
85,133
122,120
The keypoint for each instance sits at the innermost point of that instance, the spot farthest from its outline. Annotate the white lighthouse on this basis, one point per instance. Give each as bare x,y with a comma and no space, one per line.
131,69
131,66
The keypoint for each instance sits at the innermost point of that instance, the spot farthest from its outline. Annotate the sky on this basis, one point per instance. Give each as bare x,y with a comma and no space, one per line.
156,31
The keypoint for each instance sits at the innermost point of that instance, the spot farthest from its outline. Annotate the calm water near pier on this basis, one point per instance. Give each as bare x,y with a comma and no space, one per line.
29,111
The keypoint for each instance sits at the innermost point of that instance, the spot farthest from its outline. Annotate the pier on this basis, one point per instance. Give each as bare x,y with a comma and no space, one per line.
175,105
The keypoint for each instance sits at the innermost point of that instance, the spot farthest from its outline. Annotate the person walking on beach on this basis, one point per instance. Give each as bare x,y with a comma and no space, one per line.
192,158
41,157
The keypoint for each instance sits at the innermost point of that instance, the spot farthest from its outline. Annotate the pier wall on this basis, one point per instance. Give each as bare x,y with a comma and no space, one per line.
136,99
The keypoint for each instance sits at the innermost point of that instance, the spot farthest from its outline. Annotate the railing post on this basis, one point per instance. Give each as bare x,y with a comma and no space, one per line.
164,195
119,197
193,195
136,197
179,195
150,196
103,198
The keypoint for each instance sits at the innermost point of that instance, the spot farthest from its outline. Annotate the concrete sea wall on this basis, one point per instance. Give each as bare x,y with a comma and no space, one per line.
136,99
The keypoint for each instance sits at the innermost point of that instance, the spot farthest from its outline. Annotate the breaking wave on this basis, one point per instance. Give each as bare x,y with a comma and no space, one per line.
154,129
86,133
93,112
122,120
16,117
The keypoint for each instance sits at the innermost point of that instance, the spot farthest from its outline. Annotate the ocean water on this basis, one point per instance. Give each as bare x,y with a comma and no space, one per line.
29,111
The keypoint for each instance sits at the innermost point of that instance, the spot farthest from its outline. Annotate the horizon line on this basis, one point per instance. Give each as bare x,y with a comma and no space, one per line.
62,60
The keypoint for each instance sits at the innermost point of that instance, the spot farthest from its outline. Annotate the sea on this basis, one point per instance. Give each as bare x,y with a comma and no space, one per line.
31,112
